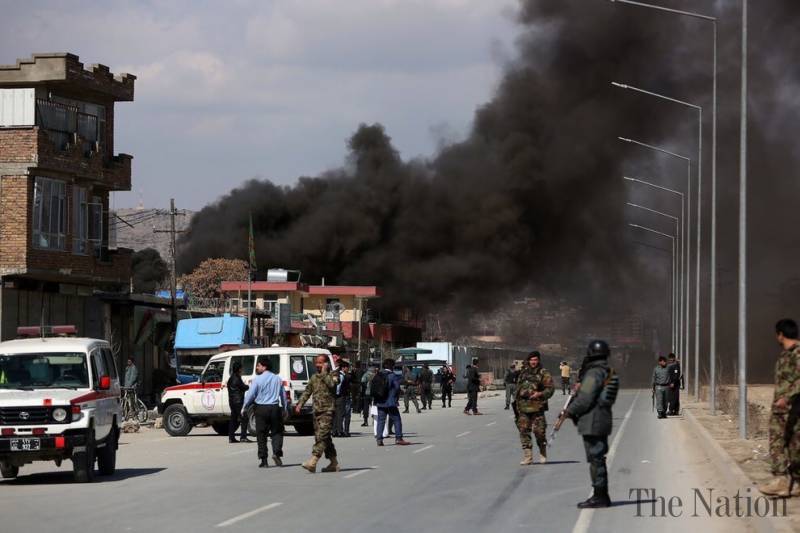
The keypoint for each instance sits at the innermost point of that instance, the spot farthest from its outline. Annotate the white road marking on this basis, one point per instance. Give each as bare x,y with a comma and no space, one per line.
463,434
428,447
491,423
358,473
240,452
585,518
245,516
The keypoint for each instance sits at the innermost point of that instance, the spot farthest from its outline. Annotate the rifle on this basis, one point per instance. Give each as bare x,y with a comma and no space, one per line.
654,398
561,418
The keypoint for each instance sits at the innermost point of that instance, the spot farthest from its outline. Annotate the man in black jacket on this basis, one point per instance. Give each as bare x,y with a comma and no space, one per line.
591,411
341,417
236,390
473,386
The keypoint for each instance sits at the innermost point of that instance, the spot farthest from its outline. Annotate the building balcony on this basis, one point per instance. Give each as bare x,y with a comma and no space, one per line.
25,149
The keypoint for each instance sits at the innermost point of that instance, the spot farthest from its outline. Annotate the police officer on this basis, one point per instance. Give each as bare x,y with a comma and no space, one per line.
447,379
534,388
322,387
661,386
674,368
426,387
410,390
591,409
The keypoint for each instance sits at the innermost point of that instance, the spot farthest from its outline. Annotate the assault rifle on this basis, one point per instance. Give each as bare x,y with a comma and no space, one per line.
561,418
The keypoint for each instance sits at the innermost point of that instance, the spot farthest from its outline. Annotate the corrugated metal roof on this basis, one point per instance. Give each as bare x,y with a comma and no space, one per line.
212,332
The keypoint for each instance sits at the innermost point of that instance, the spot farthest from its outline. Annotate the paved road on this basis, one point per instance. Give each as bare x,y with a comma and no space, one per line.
461,474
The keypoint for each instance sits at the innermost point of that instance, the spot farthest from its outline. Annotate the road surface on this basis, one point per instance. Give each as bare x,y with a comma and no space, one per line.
462,474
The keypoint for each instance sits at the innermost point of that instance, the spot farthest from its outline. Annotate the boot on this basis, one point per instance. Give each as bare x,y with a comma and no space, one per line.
527,457
599,499
311,464
777,487
277,460
543,457
333,467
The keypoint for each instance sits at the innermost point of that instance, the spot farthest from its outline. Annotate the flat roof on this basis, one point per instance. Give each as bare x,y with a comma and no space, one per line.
49,344
361,291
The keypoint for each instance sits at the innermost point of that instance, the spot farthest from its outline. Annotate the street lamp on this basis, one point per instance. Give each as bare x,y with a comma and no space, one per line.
677,232
713,260
674,269
698,226
670,284
684,314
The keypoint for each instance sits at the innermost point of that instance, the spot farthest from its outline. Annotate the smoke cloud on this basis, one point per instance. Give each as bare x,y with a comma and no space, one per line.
534,195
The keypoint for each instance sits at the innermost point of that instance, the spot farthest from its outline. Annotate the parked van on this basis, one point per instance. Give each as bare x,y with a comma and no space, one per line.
206,401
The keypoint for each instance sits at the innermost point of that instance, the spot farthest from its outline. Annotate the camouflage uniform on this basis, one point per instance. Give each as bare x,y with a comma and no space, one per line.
531,411
410,391
787,386
322,389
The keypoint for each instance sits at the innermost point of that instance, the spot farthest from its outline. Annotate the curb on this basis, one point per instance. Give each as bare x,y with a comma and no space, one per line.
735,476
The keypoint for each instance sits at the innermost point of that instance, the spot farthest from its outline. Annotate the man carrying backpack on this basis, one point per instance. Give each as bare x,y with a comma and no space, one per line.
591,411
385,389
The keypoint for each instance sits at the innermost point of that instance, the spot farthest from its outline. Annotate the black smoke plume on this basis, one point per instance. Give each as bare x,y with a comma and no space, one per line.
534,195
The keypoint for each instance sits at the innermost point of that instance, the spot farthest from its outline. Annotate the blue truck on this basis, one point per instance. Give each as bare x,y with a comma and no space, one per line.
197,339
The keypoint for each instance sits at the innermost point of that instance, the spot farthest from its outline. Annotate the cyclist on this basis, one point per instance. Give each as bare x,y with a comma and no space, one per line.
131,374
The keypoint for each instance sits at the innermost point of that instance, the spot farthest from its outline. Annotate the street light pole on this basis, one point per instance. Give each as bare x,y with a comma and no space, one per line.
665,189
698,228
713,260
684,333
743,237
674,262
667,215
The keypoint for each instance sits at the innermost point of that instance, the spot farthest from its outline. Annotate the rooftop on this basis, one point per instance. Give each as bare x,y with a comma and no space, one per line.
66,69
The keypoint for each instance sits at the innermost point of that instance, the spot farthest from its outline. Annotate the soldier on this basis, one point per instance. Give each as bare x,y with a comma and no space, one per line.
661,386
591,410
674,395
787,390
322,387
510,381
355,388
341,416
447,379
473,378
534,388
426,386
410,389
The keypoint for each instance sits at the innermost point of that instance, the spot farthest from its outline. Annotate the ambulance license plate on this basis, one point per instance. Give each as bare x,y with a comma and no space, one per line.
25,445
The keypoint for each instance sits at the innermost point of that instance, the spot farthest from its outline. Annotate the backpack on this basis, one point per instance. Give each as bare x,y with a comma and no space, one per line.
379,387
610,389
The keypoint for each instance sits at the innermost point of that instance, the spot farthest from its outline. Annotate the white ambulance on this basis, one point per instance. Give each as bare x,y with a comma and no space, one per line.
59,399
206,401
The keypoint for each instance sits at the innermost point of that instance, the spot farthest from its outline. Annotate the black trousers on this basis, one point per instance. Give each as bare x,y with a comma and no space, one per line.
269,421
472,401
338,416
596,449
236,420
447,394
426,391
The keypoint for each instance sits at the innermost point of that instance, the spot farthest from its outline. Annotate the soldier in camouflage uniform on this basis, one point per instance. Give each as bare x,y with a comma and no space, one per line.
410,389
534,388
784,457
322,387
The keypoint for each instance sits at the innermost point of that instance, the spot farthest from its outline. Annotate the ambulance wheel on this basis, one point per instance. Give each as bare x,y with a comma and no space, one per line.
304,428
176,421
107,455
83,462
221,428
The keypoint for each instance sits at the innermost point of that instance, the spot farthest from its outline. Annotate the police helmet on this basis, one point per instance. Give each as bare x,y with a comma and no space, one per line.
598,349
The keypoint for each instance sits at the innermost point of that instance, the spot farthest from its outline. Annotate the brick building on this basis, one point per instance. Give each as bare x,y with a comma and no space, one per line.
57,168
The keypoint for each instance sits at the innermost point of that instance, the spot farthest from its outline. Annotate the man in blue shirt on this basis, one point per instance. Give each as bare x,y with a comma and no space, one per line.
266,391
388,406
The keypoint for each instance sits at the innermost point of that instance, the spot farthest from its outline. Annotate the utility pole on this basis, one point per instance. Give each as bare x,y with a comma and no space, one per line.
172,252
743,237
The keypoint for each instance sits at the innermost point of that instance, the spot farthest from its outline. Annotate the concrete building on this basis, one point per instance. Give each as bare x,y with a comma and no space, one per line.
57,168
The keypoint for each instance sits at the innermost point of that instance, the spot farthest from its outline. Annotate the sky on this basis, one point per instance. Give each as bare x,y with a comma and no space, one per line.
272,89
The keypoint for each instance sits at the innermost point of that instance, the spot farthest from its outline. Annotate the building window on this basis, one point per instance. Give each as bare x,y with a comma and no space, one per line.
49,214
80,234
95,210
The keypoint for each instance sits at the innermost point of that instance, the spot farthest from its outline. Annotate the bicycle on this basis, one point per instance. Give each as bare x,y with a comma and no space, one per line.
132,406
